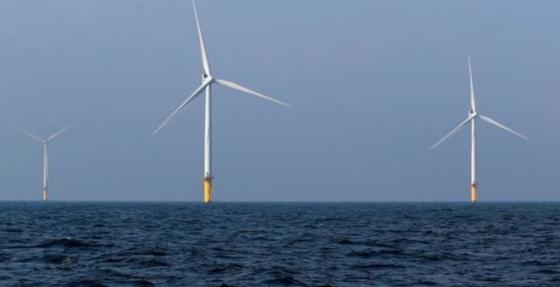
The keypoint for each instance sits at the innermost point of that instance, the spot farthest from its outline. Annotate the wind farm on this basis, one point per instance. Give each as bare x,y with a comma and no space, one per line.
208,81
45,141
472,116
186,166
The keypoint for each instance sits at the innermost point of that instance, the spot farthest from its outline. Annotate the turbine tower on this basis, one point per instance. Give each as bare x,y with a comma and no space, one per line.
471,118
45,142
207,81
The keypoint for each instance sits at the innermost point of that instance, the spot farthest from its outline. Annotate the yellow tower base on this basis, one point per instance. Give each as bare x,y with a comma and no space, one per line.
207,190
45,195
474,193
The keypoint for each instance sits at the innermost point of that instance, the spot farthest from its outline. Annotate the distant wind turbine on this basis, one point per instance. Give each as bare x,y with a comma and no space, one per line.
45,142
472,116
207,81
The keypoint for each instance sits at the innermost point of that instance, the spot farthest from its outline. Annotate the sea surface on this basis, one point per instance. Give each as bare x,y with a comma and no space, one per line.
279,244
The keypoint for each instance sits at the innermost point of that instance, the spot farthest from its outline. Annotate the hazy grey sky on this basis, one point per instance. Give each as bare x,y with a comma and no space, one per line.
373,84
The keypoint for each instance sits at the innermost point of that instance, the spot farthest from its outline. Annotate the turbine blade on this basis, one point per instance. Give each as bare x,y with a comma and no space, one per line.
37,138
454,131
203,55
240,88
473,103
494,122
178,109
58,133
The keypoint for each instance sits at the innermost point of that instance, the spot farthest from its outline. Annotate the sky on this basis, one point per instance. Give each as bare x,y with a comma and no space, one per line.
372,85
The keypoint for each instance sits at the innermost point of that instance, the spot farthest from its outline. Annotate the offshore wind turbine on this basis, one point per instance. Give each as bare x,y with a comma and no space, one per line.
207,81
45,142
473,115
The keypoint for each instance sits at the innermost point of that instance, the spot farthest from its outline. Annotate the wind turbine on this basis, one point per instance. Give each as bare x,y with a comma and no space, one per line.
45,142
471,118
207,82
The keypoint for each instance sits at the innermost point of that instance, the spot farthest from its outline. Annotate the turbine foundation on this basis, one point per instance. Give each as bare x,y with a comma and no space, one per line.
474,192
207,190
45,195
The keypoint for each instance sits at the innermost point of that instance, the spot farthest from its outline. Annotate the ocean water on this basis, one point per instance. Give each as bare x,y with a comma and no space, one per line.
279,244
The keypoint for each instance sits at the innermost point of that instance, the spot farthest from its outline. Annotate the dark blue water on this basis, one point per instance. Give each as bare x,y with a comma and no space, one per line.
269,244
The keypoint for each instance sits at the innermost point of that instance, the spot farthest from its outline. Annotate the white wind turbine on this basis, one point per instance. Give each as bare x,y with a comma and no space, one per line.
207,81
472,117
45,142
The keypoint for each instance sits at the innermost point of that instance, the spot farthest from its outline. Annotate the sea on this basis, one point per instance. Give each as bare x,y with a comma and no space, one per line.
279,244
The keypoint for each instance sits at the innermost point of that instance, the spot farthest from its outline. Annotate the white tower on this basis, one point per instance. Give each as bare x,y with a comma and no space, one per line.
45,142
207,81
472,117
